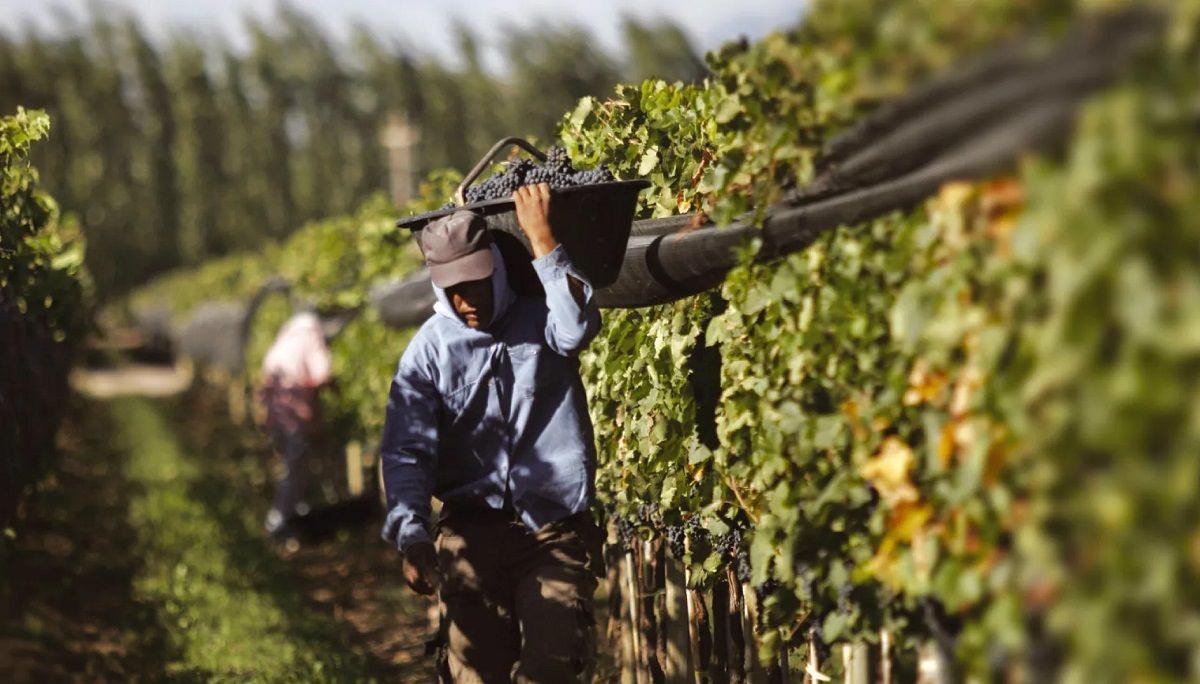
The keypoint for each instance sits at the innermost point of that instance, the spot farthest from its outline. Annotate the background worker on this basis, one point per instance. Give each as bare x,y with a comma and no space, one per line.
295,368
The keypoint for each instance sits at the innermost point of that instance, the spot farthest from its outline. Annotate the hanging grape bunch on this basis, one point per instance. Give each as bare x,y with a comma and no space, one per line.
732,549
557,171
627,534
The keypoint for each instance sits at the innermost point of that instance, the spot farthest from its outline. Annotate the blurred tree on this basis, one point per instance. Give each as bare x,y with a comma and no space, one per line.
485,121
95,177
11,75
315,118
103,91
198,153
551,68
158,188
660,50
275,130
243,210
177,149
444,118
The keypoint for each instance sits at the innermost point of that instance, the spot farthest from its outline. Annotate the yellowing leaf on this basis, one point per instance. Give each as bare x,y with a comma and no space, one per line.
945,447
970,381
888,470
908,520
925,385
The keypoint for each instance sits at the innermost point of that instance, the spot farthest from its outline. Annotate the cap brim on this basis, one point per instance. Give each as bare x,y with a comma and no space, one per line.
474,266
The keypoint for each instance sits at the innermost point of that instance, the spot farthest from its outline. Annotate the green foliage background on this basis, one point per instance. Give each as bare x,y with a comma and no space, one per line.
42,294
978,416
40,255
179,148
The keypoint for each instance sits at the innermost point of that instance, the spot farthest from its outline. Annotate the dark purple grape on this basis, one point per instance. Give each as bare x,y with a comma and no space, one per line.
626,532
676,537
557,171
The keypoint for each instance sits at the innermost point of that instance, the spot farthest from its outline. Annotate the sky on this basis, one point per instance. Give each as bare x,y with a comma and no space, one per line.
426,26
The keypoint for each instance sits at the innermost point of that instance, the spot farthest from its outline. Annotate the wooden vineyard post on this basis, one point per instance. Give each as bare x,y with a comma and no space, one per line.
719,669
677,666
656,590
812,670
855,663
927,665
783,666
695,665
399,138
932,667
736,645
885,657
696,622
619,636
646,620
612,569
630,628
355,483
704,637
755,673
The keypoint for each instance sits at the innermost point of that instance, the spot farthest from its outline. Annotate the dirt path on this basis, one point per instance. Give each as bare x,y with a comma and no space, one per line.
132,380
141,559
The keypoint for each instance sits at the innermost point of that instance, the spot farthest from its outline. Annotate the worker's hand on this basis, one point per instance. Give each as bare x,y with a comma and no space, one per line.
533,215
421,571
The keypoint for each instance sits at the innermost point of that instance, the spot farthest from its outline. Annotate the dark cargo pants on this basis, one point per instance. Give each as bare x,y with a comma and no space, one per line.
292,444
516,606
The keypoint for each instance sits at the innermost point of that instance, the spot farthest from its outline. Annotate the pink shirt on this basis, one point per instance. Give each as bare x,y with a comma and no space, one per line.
297,363
299,356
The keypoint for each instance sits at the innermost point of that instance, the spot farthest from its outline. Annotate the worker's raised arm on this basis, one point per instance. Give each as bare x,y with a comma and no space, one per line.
573,318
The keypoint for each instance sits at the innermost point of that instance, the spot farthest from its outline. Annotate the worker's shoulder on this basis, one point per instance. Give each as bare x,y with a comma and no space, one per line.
424,341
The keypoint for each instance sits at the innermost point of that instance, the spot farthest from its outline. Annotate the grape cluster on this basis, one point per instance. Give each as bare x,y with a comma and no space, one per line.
732,549
557,171
626,532
676,537
649,516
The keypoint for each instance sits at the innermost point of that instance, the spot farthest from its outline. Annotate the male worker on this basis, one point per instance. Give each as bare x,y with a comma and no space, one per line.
488,413
295,368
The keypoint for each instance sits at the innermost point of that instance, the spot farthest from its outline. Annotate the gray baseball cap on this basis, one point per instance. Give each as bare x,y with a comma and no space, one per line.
457,249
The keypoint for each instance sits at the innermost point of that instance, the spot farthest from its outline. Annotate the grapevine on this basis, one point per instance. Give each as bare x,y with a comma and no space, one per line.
43,293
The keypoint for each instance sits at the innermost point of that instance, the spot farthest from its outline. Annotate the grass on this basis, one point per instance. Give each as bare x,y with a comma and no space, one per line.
67,612
228,605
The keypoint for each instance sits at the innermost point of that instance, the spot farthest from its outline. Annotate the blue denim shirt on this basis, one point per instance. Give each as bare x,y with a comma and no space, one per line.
475,414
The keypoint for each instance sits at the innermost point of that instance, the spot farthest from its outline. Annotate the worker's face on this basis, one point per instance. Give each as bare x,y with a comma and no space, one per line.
472,301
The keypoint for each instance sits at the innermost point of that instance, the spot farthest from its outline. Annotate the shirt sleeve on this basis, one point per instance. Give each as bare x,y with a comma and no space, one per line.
569,326
409,454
